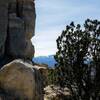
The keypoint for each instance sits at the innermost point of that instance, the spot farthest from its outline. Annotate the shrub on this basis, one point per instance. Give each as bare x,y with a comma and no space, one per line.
78,60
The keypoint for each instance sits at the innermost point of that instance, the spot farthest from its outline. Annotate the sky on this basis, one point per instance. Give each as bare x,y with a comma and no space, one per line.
54,15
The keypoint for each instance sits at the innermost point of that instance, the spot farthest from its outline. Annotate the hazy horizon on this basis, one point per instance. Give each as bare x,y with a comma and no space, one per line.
54,15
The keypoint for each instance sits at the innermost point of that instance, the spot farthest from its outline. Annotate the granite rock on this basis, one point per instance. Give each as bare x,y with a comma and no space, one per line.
20,80
17,25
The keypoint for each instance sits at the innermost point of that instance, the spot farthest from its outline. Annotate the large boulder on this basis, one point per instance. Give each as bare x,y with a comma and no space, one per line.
18,44
21,28
17,25
20,80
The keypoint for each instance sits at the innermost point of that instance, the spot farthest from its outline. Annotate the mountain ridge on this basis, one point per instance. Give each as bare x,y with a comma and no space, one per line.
49,60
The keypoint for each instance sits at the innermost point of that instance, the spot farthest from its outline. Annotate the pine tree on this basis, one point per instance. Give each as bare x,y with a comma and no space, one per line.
78,60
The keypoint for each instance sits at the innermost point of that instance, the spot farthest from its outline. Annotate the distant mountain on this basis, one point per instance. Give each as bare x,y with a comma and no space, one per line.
49,60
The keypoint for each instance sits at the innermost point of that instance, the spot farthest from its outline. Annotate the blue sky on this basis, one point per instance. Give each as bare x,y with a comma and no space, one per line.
54,15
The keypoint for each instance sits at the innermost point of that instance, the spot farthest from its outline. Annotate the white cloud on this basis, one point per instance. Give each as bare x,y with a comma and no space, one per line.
54,15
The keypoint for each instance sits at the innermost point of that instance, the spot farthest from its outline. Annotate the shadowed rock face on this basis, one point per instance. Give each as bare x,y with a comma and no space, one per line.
17,24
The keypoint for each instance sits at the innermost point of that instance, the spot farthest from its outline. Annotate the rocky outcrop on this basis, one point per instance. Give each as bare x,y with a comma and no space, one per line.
17,25
20,80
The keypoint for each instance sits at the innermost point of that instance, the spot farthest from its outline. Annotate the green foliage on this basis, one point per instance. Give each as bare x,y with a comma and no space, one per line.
78,60
51,76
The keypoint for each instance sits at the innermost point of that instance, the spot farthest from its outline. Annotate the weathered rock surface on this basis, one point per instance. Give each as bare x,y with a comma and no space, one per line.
17,25
3,26
53,92
44,72
20,81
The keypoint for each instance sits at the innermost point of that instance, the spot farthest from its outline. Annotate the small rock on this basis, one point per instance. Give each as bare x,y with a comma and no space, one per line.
53,92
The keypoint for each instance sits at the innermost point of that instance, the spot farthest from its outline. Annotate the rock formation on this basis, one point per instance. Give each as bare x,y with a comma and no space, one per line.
17,25
20,81
19,78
